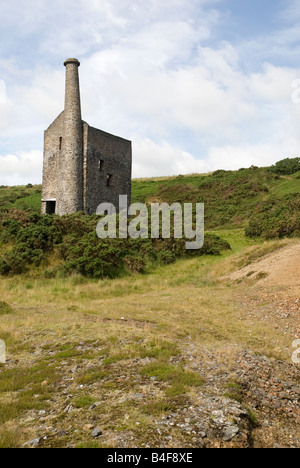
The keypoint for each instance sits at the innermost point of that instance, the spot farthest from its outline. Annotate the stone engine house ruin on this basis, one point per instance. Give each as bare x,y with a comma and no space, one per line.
83,166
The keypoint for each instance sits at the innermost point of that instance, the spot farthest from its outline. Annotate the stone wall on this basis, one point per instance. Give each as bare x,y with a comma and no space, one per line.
108,168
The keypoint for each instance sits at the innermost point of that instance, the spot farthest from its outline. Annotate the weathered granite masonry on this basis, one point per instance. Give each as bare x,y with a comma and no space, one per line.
83,166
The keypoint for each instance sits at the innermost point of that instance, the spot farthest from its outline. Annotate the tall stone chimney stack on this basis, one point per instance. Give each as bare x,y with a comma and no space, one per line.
71,146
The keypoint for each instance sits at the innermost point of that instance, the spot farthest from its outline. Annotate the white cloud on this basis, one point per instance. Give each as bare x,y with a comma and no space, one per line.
263,154
21,168
43,99
208,93
274,83
162,159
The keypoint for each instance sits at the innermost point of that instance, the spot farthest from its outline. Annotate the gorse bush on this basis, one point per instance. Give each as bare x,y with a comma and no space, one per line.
73,240
276,218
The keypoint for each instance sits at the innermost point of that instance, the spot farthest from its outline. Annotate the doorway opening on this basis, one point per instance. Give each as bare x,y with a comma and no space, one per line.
50,207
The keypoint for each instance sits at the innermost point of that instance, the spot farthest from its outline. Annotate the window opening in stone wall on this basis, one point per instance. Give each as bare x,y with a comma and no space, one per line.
60,143
101,165
109,180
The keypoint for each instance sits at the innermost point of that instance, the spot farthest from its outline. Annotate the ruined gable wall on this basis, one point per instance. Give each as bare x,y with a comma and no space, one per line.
108,160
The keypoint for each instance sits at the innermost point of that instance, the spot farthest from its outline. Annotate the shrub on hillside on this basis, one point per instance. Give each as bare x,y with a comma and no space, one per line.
229,196
287,166
75,242
214,245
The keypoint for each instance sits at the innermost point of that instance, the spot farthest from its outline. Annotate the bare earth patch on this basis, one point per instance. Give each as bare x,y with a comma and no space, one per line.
280,268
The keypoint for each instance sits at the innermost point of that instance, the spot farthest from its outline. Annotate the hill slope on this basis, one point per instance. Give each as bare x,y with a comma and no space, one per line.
230,197
180,356
259,200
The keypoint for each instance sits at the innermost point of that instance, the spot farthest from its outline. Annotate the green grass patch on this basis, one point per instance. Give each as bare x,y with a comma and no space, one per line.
30,394
24,402
84,401
21,197
5,308
161,371
190,379
67,354
90,444
9,439
160,349
176,389
116,358
37,398
157,407
234,392
92,376
13,380
171,373
29,202
252,417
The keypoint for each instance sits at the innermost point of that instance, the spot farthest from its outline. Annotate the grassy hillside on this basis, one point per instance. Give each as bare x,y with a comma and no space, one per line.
179,355
21,197
230,197
259,200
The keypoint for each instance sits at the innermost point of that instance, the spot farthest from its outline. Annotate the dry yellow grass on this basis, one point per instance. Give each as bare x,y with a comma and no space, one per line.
176,302
181,304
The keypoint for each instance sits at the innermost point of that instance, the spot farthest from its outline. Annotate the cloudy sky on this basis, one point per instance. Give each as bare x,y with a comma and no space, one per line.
197,85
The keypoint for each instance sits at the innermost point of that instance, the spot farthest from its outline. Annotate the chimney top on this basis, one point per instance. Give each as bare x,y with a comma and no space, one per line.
72,60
